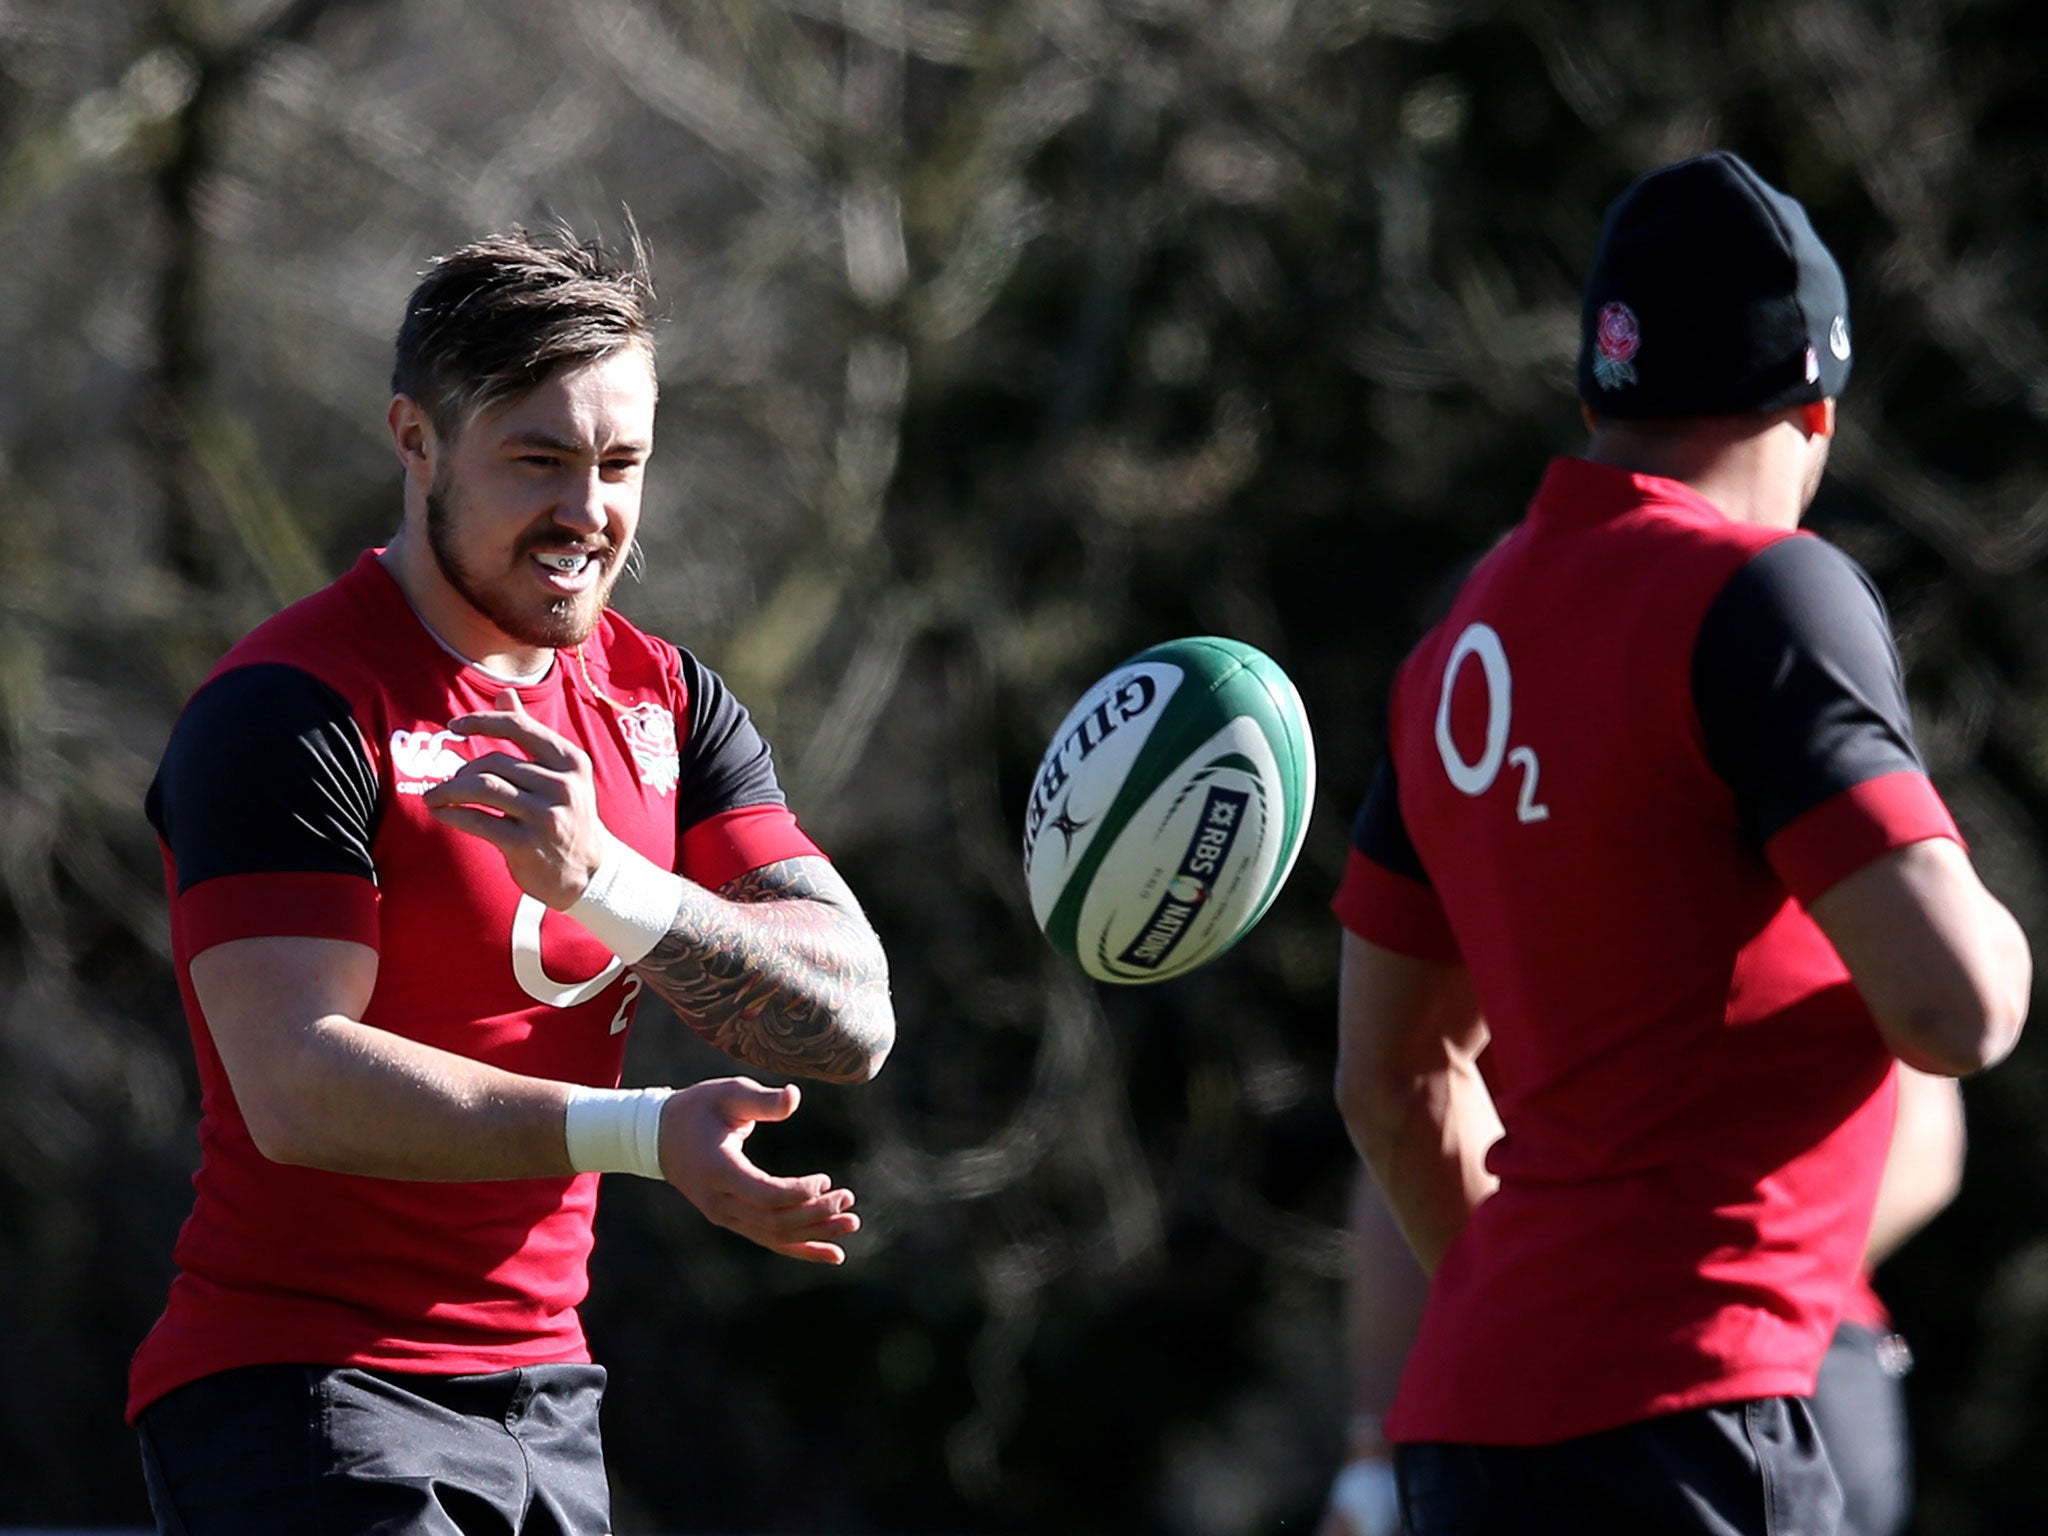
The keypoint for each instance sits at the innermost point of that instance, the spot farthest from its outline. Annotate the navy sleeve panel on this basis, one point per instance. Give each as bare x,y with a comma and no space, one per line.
265,774
725,763
1378,831
1798,686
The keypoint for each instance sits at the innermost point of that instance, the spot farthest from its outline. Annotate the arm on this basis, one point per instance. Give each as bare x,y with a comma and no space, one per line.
1383,1300
1803,712
1924,1168
1940,962
1410,1091
780,968
318,1088
321,1089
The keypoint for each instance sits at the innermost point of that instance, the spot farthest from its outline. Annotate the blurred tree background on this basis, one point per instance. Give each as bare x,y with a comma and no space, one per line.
1007,338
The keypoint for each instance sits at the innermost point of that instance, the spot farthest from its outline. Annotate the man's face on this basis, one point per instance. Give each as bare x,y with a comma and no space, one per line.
1816,469
535,503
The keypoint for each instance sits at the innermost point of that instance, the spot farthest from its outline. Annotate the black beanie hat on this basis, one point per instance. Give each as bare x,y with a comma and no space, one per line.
1710,296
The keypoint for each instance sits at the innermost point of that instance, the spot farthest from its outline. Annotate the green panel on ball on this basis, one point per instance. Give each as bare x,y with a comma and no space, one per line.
1294,748
1222,679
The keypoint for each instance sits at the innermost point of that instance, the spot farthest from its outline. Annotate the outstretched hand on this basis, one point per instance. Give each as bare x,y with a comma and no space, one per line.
703,1133
539,810
1365,1500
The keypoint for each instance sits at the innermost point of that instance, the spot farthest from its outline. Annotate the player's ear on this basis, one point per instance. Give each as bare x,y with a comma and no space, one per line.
412,435
1818,419
1592,422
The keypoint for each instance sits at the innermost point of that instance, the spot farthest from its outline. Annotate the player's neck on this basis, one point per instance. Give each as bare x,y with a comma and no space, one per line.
1750,477
495,673
454,623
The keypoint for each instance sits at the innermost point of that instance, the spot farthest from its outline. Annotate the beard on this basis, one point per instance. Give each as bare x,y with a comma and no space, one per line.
560,624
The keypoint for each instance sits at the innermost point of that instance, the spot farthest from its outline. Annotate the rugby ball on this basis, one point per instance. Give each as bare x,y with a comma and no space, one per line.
1169,809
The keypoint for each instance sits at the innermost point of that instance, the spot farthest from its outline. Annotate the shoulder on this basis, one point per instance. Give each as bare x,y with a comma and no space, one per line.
1800,582
630,658
1797,686
346,634
266,769
250,712
1798,597
704,688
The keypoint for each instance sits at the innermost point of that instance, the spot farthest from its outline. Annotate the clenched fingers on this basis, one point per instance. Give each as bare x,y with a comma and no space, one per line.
508,785
510,722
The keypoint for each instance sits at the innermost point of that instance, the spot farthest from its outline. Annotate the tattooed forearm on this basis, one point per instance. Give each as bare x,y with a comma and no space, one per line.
780,970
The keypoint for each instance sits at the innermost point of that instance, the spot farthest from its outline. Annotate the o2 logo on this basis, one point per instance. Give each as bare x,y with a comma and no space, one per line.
537,984
1481,642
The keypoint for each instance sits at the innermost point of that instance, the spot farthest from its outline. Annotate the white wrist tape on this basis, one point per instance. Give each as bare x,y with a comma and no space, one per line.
615,1130
1365,1495
629,902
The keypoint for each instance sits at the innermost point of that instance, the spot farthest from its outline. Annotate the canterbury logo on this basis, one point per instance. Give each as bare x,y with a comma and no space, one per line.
425,754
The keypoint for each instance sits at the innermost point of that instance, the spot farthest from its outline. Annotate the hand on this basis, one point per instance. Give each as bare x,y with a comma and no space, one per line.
539,811
703,1128
1364,1500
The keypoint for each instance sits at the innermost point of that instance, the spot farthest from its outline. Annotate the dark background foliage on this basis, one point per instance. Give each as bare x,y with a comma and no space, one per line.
1007,339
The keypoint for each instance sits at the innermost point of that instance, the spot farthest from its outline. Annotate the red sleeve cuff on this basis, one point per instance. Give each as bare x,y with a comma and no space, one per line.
265,906
718,850
1864,822
1394,912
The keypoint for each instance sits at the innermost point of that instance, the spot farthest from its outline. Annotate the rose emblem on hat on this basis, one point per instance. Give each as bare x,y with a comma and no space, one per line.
1617,338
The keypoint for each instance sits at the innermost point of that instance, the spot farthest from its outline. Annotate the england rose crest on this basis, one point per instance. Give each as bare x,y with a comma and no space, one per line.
1616,340
651,737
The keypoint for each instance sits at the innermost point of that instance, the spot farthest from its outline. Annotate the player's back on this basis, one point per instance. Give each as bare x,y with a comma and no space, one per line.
1553,779
1678,1056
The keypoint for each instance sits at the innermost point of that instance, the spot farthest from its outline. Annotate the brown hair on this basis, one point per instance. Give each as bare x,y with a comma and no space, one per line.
494,318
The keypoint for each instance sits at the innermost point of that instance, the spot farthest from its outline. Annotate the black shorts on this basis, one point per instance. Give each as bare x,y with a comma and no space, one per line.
1741,1469
280,1450
1859,1402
